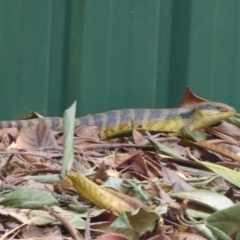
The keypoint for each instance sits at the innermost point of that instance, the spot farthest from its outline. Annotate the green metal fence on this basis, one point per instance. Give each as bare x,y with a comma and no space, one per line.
111,54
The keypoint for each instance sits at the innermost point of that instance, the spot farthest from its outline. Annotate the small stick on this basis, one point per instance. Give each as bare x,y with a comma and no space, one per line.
73,232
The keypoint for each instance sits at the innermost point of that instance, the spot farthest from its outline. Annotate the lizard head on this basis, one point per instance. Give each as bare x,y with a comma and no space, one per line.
209,113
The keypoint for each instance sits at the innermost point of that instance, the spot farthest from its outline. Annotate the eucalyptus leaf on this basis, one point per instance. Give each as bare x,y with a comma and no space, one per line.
116,183
162,149
197,214
220,235
227,220
230,175
135,223
79,208
204,197
93,213
203,229
49,178
68,131
37,217
194,136
28,198
235,120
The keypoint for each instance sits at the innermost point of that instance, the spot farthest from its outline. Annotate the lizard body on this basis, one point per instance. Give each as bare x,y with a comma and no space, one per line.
116,122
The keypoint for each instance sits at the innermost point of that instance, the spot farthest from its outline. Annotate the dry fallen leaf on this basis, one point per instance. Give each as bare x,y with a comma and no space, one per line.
36,137
104,198
189,98
87,131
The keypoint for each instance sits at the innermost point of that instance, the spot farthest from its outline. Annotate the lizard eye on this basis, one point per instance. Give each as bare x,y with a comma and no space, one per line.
221,108
208,107
215,107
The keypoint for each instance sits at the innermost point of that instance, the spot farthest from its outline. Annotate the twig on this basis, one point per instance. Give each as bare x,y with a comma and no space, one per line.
73,232
31,154
13,230
115,145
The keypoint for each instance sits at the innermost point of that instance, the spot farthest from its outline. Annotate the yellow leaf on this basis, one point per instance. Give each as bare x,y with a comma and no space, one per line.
101,197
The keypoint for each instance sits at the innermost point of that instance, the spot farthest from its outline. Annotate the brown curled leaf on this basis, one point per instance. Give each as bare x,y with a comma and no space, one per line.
214,148
189,98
